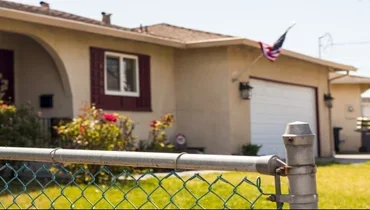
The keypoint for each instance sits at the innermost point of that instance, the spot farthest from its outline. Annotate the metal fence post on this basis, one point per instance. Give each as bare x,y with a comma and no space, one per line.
301,171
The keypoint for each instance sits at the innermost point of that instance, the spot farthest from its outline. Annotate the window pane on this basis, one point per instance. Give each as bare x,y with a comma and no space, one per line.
129,68
113,75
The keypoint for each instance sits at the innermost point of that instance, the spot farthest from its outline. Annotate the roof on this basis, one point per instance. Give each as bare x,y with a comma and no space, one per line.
55,13
348,79
179,33
172,36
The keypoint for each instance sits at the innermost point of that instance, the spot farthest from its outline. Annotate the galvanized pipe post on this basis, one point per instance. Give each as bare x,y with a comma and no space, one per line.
301,171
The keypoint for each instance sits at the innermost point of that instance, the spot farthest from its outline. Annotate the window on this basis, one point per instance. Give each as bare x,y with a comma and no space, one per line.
120,80
121,75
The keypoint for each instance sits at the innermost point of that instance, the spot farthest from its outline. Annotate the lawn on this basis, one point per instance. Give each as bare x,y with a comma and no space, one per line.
339,186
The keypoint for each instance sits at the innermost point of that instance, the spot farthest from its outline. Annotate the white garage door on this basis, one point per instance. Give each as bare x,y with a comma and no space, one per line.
273,105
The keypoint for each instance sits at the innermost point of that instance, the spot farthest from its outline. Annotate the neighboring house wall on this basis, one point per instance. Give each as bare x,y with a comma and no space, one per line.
35,74
346,95
203,98
73,50
285,69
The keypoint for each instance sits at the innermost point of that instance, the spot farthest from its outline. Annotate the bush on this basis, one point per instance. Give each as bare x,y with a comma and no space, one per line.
94,129
157,141
21,127
97,130
250,149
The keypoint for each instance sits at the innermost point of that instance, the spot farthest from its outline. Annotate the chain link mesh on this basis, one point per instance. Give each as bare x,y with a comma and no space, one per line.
54,187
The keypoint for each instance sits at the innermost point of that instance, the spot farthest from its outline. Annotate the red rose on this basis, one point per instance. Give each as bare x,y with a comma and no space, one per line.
110,117
153,123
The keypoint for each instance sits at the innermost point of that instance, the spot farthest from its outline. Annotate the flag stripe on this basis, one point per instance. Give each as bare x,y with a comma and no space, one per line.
272,52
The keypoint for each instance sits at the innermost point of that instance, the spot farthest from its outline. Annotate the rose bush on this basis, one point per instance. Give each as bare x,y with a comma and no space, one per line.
94,129
157,141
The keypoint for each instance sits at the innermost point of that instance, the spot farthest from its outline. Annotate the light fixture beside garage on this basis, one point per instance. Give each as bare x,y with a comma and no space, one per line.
328,100
245,90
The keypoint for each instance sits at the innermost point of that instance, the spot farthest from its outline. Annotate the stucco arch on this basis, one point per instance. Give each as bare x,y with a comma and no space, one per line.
58,62
37,61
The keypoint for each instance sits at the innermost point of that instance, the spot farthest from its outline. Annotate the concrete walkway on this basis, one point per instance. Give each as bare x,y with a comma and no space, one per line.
352,158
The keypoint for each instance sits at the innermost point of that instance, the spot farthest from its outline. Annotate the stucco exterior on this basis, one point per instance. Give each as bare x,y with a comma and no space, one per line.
70,52
194,84
35,74
347,107
209,106
285,70
347,96
202,98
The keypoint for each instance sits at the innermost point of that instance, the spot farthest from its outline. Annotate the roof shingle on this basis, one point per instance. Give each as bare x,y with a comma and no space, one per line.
179,33
55,13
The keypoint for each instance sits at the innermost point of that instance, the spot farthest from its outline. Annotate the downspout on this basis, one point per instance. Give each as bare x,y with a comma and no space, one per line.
330,120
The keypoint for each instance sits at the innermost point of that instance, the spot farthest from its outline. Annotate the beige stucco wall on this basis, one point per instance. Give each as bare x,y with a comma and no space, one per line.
202,98
346,95
70,50
35,74
194,84
214,116
285,69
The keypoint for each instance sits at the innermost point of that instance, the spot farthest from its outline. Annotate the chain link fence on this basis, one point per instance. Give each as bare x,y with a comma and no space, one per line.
55,187
36,178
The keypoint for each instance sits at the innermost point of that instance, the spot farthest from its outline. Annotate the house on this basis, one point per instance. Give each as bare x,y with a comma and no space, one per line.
365,107
167,69
347,107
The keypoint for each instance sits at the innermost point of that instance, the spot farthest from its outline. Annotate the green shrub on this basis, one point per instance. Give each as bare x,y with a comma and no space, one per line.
157,141
94,129
250,149
21,127
97,130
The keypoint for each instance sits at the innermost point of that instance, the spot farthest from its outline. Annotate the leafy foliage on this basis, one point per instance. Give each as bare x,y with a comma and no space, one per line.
95,129
157,141
19,126
250,149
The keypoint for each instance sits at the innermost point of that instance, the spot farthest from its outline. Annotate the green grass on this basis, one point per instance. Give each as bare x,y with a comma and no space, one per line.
339,186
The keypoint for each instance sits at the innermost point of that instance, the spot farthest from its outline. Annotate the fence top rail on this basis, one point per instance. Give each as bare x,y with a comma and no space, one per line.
262,164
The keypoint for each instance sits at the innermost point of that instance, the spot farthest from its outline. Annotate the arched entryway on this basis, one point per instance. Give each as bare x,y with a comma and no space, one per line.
36,74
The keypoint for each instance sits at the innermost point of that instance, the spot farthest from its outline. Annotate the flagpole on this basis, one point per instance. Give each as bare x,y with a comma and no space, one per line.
250,66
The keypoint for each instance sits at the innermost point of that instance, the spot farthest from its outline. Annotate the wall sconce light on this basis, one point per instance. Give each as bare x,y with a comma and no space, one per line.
328,100
245,90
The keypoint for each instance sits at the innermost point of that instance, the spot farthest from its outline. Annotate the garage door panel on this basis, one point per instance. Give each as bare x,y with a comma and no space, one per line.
273,106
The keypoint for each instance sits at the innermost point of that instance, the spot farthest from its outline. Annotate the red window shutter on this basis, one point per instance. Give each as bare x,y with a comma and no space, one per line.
119,103
96,75
144,102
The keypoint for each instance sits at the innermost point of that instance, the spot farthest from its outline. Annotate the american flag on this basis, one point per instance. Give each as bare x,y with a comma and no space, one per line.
272,52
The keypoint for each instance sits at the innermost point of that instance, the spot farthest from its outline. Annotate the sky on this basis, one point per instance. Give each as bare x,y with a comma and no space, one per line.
347,21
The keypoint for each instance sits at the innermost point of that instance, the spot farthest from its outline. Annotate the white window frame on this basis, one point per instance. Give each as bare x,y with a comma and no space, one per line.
122,91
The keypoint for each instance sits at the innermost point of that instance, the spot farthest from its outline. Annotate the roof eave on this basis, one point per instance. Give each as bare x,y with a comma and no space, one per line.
251,43
80,26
